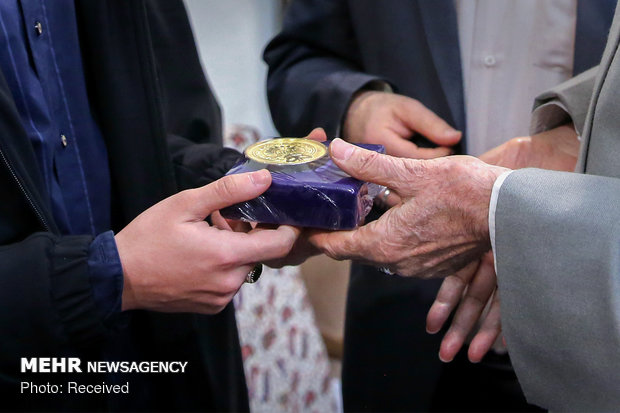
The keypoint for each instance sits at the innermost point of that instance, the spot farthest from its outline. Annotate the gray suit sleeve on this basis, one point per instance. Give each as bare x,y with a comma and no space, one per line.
314,68
564,103
558,267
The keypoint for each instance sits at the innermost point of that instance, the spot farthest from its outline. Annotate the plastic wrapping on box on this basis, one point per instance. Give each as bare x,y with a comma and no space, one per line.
316,194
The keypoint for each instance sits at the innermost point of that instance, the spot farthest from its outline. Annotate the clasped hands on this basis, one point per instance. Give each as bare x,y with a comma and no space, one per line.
174,261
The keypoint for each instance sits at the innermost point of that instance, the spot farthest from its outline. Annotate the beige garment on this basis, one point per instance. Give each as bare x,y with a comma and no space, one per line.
511,51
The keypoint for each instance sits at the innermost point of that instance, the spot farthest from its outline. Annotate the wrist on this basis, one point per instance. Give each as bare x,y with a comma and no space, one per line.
487,177
474,182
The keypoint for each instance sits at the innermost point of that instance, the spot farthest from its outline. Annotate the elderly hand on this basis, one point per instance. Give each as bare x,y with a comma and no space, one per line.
474,290
440,226
174,261
556,149
391,120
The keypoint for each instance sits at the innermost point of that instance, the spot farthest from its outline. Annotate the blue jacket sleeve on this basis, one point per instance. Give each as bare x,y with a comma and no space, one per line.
105,273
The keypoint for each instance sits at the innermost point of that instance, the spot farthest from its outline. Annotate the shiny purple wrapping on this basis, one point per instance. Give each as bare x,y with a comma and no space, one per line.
317,194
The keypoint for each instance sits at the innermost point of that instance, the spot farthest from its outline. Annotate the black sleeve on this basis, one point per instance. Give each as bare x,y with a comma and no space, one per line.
199,164
46,299
192,114
46,303
314,67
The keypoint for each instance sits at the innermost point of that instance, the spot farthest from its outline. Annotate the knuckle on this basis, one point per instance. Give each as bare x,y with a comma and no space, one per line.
382,253
285,244
369,161
226,257
414,105
284,249
220,302
330,250
367,158
474,301
452,168
411,168
404,171
451,291
226,186
518,141
216,309
230,286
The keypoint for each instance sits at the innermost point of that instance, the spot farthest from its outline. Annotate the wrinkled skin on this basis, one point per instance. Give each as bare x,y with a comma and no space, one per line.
473,291
439,227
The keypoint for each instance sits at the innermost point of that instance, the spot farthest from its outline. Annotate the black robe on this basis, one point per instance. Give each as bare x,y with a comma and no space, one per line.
162,128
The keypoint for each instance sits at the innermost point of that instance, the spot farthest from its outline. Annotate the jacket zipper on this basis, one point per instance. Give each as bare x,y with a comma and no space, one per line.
23,190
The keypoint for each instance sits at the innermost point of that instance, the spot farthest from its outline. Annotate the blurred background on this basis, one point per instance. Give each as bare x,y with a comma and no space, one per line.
291,322
231,36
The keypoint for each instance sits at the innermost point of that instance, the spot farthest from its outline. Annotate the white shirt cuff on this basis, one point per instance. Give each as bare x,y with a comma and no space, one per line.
492,206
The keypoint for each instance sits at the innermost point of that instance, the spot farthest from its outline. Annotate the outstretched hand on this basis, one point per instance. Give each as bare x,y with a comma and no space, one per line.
439,227
174,261
473,291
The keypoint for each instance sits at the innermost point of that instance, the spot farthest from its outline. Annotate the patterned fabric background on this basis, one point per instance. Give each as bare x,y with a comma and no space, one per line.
285,360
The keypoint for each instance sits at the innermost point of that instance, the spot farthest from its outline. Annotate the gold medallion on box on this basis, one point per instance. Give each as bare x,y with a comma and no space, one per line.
286,151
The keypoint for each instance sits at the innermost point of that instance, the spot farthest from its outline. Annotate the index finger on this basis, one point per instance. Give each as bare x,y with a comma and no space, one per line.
266,244
424,121
398,146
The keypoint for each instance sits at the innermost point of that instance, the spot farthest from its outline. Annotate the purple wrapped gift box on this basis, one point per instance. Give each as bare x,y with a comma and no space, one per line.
317,194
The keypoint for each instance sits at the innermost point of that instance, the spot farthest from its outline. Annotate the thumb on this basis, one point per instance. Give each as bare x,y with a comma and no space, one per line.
369,165
229,190
339,245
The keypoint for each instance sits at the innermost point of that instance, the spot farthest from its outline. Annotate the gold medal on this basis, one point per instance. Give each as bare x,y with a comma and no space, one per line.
286,151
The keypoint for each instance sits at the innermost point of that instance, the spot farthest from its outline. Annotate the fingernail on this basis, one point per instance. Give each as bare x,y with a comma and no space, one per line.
260,178
444,360
451,133
341,150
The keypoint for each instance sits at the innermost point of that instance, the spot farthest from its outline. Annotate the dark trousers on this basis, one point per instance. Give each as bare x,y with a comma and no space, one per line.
391,364
490,386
